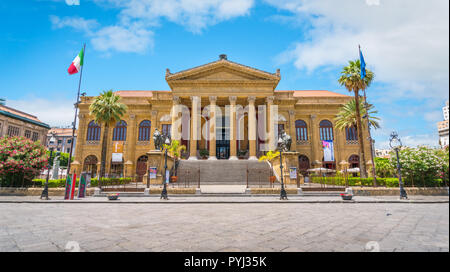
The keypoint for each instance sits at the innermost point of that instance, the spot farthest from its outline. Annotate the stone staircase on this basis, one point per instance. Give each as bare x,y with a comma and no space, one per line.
223,172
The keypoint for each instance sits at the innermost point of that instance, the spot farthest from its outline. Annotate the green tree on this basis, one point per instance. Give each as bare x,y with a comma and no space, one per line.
347,115
20,160
107,110
175,149
422,166
384,168
351,79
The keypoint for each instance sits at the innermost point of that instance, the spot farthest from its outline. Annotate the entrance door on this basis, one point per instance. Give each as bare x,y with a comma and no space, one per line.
223,138
141,168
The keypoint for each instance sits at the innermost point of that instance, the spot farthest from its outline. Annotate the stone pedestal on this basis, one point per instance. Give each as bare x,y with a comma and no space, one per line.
290,159
156,159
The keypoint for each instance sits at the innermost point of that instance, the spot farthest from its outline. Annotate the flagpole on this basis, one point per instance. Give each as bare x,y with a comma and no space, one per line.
366,105
76,113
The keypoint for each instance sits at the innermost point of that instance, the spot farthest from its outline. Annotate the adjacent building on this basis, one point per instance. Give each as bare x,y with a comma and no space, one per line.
14,122
63,139
443,128
222,106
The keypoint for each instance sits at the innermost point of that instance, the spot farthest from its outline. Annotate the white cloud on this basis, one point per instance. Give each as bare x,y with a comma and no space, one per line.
405,43
132,31
430,140
55,112
373,2
195,15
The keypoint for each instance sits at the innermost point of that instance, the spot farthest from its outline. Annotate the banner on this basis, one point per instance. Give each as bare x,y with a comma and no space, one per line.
293,173
167,176
82,186
117,157
117,147
68,188
152,171
72,188
328,151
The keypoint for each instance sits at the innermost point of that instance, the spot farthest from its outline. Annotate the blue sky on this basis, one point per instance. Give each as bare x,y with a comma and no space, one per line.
129,44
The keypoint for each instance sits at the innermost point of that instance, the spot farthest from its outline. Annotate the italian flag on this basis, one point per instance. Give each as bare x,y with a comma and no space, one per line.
76,63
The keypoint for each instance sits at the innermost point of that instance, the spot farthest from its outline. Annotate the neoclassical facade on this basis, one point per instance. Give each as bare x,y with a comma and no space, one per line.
222,110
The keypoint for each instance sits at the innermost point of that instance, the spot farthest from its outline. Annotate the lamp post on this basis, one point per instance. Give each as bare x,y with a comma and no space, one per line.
396,144
164,191
281,148
45,191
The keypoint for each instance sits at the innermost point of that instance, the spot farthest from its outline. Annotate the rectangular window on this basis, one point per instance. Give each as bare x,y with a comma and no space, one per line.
68,150
59,141
35,136
13,131
27,134
166,129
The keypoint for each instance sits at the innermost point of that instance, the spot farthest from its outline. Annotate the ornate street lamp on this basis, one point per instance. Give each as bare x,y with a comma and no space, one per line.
51,147
282,146
396,144
164,191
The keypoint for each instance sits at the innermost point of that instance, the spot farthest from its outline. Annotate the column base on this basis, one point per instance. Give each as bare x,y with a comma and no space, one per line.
253,158
233,158
192,158
212,158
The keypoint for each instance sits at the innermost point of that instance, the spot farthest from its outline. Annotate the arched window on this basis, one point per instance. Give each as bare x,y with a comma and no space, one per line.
351,133
120,131
353,161
93,132
90,165
144,130
301,130
303,163
326,130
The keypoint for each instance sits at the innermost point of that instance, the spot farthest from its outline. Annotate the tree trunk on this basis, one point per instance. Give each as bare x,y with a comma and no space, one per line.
104,148
362,160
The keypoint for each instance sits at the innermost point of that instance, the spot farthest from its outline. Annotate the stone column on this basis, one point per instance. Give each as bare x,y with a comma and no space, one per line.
176,121
131,146
212,128
314,138
154,126
292,132
233,130
194,127
252,127
270,123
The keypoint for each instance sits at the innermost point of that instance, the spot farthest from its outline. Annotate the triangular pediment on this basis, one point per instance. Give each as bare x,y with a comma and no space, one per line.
222,71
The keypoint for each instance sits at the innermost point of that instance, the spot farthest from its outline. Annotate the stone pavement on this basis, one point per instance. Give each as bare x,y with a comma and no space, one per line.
224,227
193,199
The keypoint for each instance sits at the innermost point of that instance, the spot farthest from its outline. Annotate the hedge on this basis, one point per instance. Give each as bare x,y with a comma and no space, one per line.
383,182
56,183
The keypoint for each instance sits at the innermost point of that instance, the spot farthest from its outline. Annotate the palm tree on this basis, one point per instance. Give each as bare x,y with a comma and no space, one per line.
347,115
351,79
175,150
106,109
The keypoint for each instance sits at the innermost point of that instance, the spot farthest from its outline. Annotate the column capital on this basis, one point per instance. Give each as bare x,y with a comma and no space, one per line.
194,96
176,99
270,99
291,112
132,116
251,99
154,113
232,99
81,116
313,116
213,99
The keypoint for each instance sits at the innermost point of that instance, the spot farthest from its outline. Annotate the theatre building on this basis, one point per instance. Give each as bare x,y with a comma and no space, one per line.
216,110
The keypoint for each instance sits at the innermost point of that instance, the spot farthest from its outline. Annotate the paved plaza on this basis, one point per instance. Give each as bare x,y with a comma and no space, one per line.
224,227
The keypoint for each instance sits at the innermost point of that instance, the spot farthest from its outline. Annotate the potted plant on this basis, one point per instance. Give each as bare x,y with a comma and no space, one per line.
175,149
268,158
346,196
204,153
113,196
